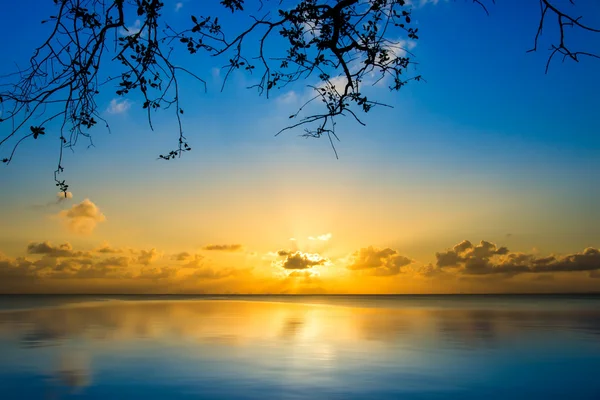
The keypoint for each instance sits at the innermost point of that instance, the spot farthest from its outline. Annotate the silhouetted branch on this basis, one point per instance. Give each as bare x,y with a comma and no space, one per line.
336,46
563,20
343,44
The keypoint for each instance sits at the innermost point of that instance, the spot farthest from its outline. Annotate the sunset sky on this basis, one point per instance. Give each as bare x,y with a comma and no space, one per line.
485,178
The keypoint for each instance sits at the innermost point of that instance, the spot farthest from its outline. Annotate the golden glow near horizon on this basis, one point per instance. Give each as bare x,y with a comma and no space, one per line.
300,262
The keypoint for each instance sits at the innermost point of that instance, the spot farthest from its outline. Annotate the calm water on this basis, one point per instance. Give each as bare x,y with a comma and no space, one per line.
342,347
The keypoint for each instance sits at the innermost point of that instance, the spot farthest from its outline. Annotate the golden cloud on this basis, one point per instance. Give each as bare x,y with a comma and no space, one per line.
378,262
82,218
224,247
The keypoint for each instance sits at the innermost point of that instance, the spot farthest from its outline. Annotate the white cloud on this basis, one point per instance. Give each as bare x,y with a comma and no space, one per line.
178,6
401,47
325,237
63,196
131,30
118,106
290,97
421,3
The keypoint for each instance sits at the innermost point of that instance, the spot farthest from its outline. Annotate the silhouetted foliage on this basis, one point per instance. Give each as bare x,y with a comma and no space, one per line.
344,43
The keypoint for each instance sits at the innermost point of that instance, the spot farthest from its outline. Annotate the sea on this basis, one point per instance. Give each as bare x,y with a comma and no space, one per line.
300,347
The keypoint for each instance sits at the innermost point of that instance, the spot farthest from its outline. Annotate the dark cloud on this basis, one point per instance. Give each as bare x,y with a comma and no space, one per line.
588,260
110,268
378,262
224,247
429,271
283,253
63,250
16,271
465,251
54,265
487,258
299,260
61,262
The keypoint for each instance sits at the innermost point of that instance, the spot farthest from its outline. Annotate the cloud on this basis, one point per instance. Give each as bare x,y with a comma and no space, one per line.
155,273
299,260
83,217
60,262
82,268
378,262
107,249
224,247
132,30
195,261
183,256
588,260
114,262
466,252
46,248
325,237
307,276
117,106
219,273
14,271
487,258
147,257
63,196
429,271
178,6
289,97
421,3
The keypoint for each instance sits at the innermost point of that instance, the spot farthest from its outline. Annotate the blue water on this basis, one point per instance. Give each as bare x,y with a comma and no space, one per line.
300,347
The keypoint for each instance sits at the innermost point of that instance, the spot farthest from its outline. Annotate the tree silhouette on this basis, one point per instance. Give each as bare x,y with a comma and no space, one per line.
345,44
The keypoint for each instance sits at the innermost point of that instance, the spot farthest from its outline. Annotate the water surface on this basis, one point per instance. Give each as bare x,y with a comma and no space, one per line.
300,347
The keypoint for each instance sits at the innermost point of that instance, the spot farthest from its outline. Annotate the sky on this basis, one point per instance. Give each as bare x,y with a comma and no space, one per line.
483,179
